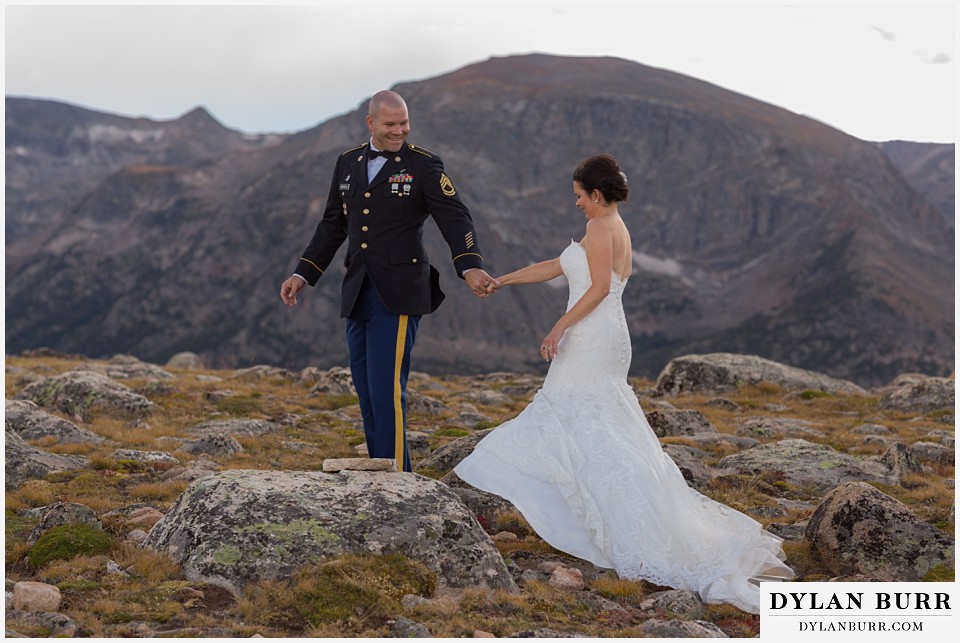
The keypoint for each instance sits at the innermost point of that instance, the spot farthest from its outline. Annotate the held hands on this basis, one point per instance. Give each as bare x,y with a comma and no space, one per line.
482,284
290,288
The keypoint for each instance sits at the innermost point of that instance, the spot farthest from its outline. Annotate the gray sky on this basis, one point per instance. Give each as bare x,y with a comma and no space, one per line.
878,72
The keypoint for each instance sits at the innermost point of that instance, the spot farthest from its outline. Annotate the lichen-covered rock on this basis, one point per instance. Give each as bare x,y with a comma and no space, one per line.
32,423
84,394
666,422
260,371
678,603
240,426
335,381
485,506
677,629
63,513
900,460
449,455
23,462
42,624
857,529
239,526
690,461
145,457
185,360
804,464
920,395
420,403
126,367
933,452
719,372
768,427
213,445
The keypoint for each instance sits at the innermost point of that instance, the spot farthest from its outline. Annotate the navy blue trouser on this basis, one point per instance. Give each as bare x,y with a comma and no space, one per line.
380,343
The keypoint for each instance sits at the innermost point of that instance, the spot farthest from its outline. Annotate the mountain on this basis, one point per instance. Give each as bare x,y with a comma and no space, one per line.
55,152
930,168
755,231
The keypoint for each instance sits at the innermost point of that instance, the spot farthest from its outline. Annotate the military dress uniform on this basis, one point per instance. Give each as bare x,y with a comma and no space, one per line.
389,282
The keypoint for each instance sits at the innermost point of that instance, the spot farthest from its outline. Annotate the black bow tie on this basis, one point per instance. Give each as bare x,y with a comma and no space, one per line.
372,154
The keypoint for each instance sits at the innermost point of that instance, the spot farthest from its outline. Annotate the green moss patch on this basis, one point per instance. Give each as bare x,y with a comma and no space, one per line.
69,541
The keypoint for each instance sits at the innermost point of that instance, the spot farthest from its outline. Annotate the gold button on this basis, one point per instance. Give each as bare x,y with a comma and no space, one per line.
414,260
397,159
366,211
364,228
363,245
366,195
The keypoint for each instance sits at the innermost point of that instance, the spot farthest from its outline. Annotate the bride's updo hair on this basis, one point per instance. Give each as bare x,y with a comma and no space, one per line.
602,173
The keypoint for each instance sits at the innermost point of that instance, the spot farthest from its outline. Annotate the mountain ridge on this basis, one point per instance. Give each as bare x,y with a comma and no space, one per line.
796,239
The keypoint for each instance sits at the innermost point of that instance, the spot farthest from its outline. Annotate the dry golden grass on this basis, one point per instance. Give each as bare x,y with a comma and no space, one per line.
152,491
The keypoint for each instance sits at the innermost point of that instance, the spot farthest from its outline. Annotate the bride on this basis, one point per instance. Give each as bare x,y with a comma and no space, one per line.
582,464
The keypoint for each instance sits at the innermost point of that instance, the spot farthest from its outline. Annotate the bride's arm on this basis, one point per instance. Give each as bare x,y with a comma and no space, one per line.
538,272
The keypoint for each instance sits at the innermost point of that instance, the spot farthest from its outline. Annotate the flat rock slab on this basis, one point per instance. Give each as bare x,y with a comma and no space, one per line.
805,464
239,526
24,462
335,465
719,372
32,423
84,394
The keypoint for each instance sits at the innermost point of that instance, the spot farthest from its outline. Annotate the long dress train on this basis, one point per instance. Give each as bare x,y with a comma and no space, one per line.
585,469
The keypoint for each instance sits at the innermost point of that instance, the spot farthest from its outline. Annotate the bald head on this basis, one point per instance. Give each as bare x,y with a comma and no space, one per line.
385,99
388,121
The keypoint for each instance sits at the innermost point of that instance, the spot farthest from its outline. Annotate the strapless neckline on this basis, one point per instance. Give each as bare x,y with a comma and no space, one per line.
622,280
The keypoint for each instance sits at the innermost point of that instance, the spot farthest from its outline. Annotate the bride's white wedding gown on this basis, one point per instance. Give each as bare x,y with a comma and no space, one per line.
587,472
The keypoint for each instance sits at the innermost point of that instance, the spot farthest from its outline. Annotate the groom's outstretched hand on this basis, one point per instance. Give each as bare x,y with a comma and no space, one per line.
480,282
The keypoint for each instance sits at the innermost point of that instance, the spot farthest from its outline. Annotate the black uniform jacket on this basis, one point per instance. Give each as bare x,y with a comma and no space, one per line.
383,224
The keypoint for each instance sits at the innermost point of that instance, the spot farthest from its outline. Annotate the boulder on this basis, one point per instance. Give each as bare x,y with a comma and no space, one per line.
676,629
185,360
484,505
47,624
486,397
335,381
899,459
449,455
126,367
24,462
240,426
239,526
666,422
32,423
679,603
261,371
933,452
84,394
768,427
720,372
921,395
29,596
145,457
690,462
212,445
857,529
420,403
63,513
804,464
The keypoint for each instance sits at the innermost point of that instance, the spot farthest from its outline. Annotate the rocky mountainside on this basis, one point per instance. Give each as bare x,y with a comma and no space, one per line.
931,170
57,152
755,230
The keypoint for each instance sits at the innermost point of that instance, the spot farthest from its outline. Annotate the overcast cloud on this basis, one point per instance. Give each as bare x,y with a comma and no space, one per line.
876,72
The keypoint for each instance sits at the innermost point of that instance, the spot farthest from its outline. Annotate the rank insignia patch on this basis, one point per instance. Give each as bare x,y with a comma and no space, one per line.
446,185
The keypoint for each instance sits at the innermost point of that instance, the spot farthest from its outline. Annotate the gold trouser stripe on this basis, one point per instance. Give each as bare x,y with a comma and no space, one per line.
397,406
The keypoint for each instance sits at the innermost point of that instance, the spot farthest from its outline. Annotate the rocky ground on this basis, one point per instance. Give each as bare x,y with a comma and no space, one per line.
181,501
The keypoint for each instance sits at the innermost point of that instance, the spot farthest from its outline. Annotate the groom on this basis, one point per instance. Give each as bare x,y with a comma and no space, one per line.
381,194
